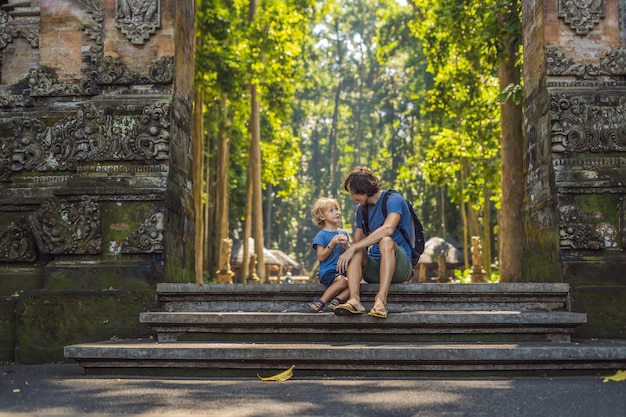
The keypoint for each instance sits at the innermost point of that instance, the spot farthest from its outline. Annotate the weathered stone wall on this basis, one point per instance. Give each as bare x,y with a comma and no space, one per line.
575,117
95,166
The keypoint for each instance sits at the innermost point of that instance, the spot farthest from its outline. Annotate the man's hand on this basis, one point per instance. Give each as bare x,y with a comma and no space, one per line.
344,259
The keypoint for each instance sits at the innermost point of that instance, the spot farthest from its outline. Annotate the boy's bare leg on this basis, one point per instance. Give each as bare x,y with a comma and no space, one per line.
387,269
344,295
338,286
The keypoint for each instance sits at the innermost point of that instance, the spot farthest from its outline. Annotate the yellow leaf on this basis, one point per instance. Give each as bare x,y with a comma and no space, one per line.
16,390
619,376
282,376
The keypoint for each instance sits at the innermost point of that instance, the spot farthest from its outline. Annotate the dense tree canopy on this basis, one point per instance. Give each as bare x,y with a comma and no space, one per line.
408,89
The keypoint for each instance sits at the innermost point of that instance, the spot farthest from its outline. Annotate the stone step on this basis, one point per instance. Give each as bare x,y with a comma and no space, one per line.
402,297
355,358
398,327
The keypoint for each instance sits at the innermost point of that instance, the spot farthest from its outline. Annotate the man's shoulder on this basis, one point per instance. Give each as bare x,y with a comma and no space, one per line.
395,200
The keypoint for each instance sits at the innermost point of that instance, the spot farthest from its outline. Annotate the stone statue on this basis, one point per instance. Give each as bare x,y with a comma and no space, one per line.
253,277
478,272
224,273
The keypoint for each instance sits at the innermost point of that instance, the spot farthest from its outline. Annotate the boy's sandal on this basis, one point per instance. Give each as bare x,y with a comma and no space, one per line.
317,305
334,303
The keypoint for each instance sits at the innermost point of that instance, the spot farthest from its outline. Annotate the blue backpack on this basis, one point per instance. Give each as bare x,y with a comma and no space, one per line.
416,237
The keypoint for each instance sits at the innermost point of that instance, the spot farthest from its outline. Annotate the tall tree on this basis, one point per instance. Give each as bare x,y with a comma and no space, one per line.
255,168
470,45
510,217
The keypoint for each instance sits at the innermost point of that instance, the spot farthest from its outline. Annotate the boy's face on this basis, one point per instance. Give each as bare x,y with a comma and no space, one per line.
332,215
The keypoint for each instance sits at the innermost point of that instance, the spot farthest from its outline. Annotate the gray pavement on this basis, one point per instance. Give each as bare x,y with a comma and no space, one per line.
64,390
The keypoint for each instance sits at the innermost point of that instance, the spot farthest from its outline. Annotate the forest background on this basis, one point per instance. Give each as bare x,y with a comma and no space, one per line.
292,94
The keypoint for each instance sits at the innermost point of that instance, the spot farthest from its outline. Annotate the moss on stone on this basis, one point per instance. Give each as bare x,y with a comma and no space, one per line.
49,320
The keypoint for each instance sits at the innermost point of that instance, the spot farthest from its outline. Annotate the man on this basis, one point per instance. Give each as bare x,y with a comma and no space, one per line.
383,256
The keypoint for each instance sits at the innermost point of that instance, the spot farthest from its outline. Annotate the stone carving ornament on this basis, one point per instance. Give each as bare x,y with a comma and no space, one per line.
575,234
138,19
582,15
581,123
91,135
148,238
63,228
114,71
613,64
17,244
11,29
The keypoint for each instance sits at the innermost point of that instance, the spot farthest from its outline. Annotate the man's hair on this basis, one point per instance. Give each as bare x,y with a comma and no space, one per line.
319,208
361,181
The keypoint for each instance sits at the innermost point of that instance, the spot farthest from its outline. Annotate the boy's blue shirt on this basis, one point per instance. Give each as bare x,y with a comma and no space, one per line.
395,204
322,238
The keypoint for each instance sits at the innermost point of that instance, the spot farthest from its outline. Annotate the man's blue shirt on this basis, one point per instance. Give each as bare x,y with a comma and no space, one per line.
395,204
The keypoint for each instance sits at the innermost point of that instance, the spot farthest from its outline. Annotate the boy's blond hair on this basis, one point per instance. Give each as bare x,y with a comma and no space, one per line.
321,205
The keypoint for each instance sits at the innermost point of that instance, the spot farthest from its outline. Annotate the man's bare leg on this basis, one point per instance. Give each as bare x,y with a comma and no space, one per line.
387,269
355,273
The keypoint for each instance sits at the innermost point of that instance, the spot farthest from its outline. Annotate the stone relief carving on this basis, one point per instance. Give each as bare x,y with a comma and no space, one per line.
138,19
94,31
63,228
45,83
6,150
582,15
575,234
588,123
11,29
148,238
17,244
91,135
613,64
115,71
8,99
100,70
35,149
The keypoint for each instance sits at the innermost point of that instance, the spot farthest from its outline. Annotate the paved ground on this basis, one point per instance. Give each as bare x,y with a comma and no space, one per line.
63,390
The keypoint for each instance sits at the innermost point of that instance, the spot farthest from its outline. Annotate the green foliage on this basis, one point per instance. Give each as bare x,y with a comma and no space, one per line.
465,276
409,90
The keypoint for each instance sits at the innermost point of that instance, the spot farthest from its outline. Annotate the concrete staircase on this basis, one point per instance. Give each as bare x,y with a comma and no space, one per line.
239,330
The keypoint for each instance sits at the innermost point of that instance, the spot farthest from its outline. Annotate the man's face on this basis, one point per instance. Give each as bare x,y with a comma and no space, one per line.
359,198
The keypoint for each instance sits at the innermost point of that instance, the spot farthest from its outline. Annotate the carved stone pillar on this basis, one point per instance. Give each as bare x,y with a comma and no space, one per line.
95,147
575,134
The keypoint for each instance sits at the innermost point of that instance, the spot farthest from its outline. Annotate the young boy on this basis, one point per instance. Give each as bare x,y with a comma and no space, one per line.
330,242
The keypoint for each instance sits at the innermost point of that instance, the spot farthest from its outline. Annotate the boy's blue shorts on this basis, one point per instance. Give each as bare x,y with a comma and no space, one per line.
329,277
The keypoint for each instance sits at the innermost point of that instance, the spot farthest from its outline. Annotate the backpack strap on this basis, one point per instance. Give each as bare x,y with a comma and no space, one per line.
402,232
365,217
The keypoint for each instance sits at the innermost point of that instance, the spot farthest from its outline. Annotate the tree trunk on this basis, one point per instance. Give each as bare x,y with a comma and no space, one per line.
486,231
198,181
464,220
247,230
255,169
257,196
223,147
332,136
268,215
510,217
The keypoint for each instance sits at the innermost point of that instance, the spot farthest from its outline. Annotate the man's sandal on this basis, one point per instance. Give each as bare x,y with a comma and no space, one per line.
317,305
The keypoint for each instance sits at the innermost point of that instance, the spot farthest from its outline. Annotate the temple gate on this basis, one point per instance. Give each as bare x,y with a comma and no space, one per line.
95,166
575,142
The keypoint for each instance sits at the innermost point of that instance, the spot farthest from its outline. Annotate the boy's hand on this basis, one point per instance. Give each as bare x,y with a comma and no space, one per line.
338,240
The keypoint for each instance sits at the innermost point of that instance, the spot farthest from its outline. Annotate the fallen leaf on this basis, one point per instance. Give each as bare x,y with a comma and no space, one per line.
16,390
282,376
619,376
